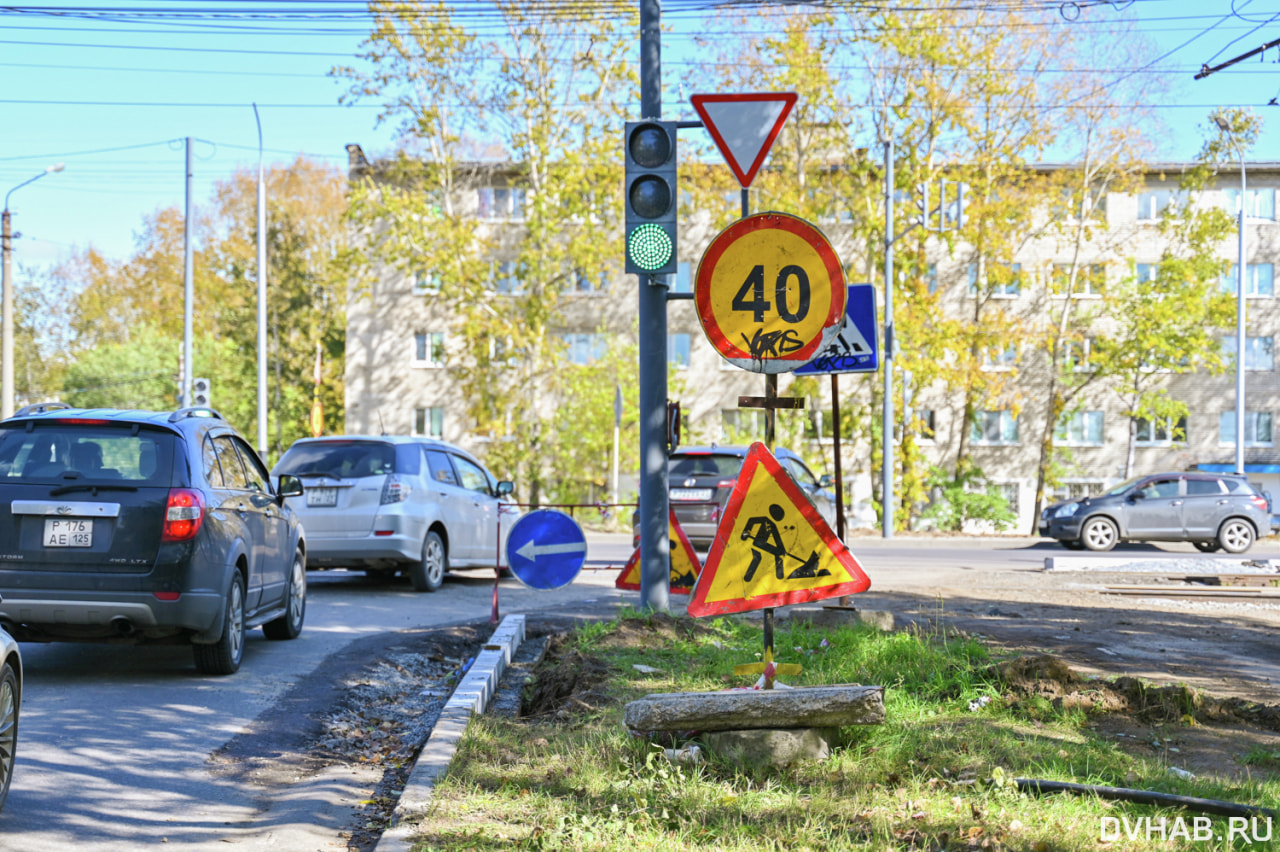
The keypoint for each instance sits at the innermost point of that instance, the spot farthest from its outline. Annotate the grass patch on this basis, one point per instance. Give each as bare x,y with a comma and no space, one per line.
938,775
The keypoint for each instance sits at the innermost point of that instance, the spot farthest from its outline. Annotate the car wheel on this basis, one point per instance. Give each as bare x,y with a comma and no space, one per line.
289,625
8,727
1207,546
1099,534
1072,544
223,657
1235,536
428,573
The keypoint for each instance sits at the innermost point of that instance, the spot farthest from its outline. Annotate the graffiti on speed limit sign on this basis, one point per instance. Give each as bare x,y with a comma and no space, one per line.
770,292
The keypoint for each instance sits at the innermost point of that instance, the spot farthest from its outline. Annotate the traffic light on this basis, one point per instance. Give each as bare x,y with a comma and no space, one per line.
200,392
651,197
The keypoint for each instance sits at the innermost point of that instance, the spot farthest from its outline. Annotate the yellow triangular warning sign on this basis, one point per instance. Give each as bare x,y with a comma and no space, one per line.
772,548
684,564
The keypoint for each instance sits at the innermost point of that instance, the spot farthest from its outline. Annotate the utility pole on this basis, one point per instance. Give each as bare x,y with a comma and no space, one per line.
886,471
655,548
262,297
188,288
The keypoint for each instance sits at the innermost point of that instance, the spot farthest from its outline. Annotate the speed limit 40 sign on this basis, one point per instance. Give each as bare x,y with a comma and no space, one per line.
770,292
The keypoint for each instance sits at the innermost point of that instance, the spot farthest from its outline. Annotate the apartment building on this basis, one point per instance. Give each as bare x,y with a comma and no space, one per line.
400,340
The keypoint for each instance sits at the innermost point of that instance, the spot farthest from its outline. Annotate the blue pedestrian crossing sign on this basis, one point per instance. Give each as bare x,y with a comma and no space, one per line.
546,549
854,349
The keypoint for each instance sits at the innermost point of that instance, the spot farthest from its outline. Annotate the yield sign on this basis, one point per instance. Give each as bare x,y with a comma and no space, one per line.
772,548
684,563
744,126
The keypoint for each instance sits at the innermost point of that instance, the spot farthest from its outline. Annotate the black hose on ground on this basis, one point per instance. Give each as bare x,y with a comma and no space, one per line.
1146,797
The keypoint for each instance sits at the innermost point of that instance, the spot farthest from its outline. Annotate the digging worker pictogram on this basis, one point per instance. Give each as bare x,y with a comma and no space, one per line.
765,538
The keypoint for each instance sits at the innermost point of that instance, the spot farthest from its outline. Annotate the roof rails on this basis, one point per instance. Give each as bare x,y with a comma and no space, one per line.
40,408
195,411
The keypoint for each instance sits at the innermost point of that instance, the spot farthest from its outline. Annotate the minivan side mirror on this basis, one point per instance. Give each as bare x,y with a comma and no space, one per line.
826,480
289,486
505,487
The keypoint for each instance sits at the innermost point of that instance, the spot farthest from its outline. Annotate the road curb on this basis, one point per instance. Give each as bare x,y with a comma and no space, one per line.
1187,564
471,696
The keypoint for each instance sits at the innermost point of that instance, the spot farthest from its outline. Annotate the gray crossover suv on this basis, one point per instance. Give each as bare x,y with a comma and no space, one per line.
1212,511
141,526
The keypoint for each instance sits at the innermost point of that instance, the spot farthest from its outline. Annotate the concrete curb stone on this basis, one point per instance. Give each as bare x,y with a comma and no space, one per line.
471,696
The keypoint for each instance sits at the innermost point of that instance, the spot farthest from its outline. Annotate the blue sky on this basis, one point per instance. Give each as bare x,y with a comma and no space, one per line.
114,98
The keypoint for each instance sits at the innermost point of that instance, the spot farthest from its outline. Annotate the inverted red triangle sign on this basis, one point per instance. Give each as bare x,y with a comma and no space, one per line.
744,126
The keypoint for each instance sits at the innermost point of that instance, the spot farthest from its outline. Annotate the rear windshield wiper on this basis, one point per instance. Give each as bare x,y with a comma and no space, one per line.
89,486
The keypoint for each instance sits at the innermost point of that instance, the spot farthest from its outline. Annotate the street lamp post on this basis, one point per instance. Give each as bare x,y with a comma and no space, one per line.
1226,127
6,298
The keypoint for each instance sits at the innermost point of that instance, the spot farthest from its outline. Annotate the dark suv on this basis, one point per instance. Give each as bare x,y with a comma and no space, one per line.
1212,511
140,526
700,480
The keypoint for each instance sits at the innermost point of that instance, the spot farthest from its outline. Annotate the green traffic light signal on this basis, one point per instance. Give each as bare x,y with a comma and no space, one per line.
651,227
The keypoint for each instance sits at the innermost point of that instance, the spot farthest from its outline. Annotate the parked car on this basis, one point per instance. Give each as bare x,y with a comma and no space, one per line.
143,526
700,479
10,706
393,504
1211,510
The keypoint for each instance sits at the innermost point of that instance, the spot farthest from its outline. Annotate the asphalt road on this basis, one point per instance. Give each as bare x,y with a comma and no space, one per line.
116,742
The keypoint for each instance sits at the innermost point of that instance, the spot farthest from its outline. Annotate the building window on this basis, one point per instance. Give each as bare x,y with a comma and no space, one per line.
584,283
820,426
741,425
1159,431
1079,429
1076,354
504,277
683,282
1257,428
994,428
678,351
429,422
1009,491
425,283
995,358
1146,272
1003,280
1258,352
1260,204
495,202
428,349
1075,489
931,277
1259,280
1088,283
1152,204
585,348
922,420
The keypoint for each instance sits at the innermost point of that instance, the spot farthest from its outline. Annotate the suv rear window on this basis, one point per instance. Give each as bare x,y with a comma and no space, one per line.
349,459
705,464
61,450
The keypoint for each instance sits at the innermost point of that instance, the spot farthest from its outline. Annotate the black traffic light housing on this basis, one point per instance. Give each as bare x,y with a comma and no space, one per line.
651,197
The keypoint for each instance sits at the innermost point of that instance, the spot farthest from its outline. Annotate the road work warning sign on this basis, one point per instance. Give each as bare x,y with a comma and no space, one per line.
684,564
772,548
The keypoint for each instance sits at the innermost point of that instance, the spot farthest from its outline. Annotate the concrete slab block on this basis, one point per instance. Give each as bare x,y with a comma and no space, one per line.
776,747
749,709
841,616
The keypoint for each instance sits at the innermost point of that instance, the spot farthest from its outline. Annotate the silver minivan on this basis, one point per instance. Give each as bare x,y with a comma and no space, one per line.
391,504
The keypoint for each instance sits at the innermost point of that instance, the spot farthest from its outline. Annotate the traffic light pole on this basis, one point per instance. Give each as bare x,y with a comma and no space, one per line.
655,571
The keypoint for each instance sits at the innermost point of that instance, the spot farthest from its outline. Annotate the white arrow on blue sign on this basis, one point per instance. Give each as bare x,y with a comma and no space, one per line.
854,349
546,549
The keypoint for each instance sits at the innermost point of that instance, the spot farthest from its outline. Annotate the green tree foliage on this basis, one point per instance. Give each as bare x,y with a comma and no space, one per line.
547,98
966,498
117,328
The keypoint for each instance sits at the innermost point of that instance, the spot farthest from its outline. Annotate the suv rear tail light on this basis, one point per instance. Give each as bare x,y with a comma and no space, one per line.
726,483
396,489
1259,501
183,515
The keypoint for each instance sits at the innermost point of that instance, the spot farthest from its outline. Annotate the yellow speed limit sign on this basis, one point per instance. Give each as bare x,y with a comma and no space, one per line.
770,292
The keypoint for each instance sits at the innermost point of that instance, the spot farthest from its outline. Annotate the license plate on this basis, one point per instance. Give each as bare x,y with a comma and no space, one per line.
692,495
60,532
322,496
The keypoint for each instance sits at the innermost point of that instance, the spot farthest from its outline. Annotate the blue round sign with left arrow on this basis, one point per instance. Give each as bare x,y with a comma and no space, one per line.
546,549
